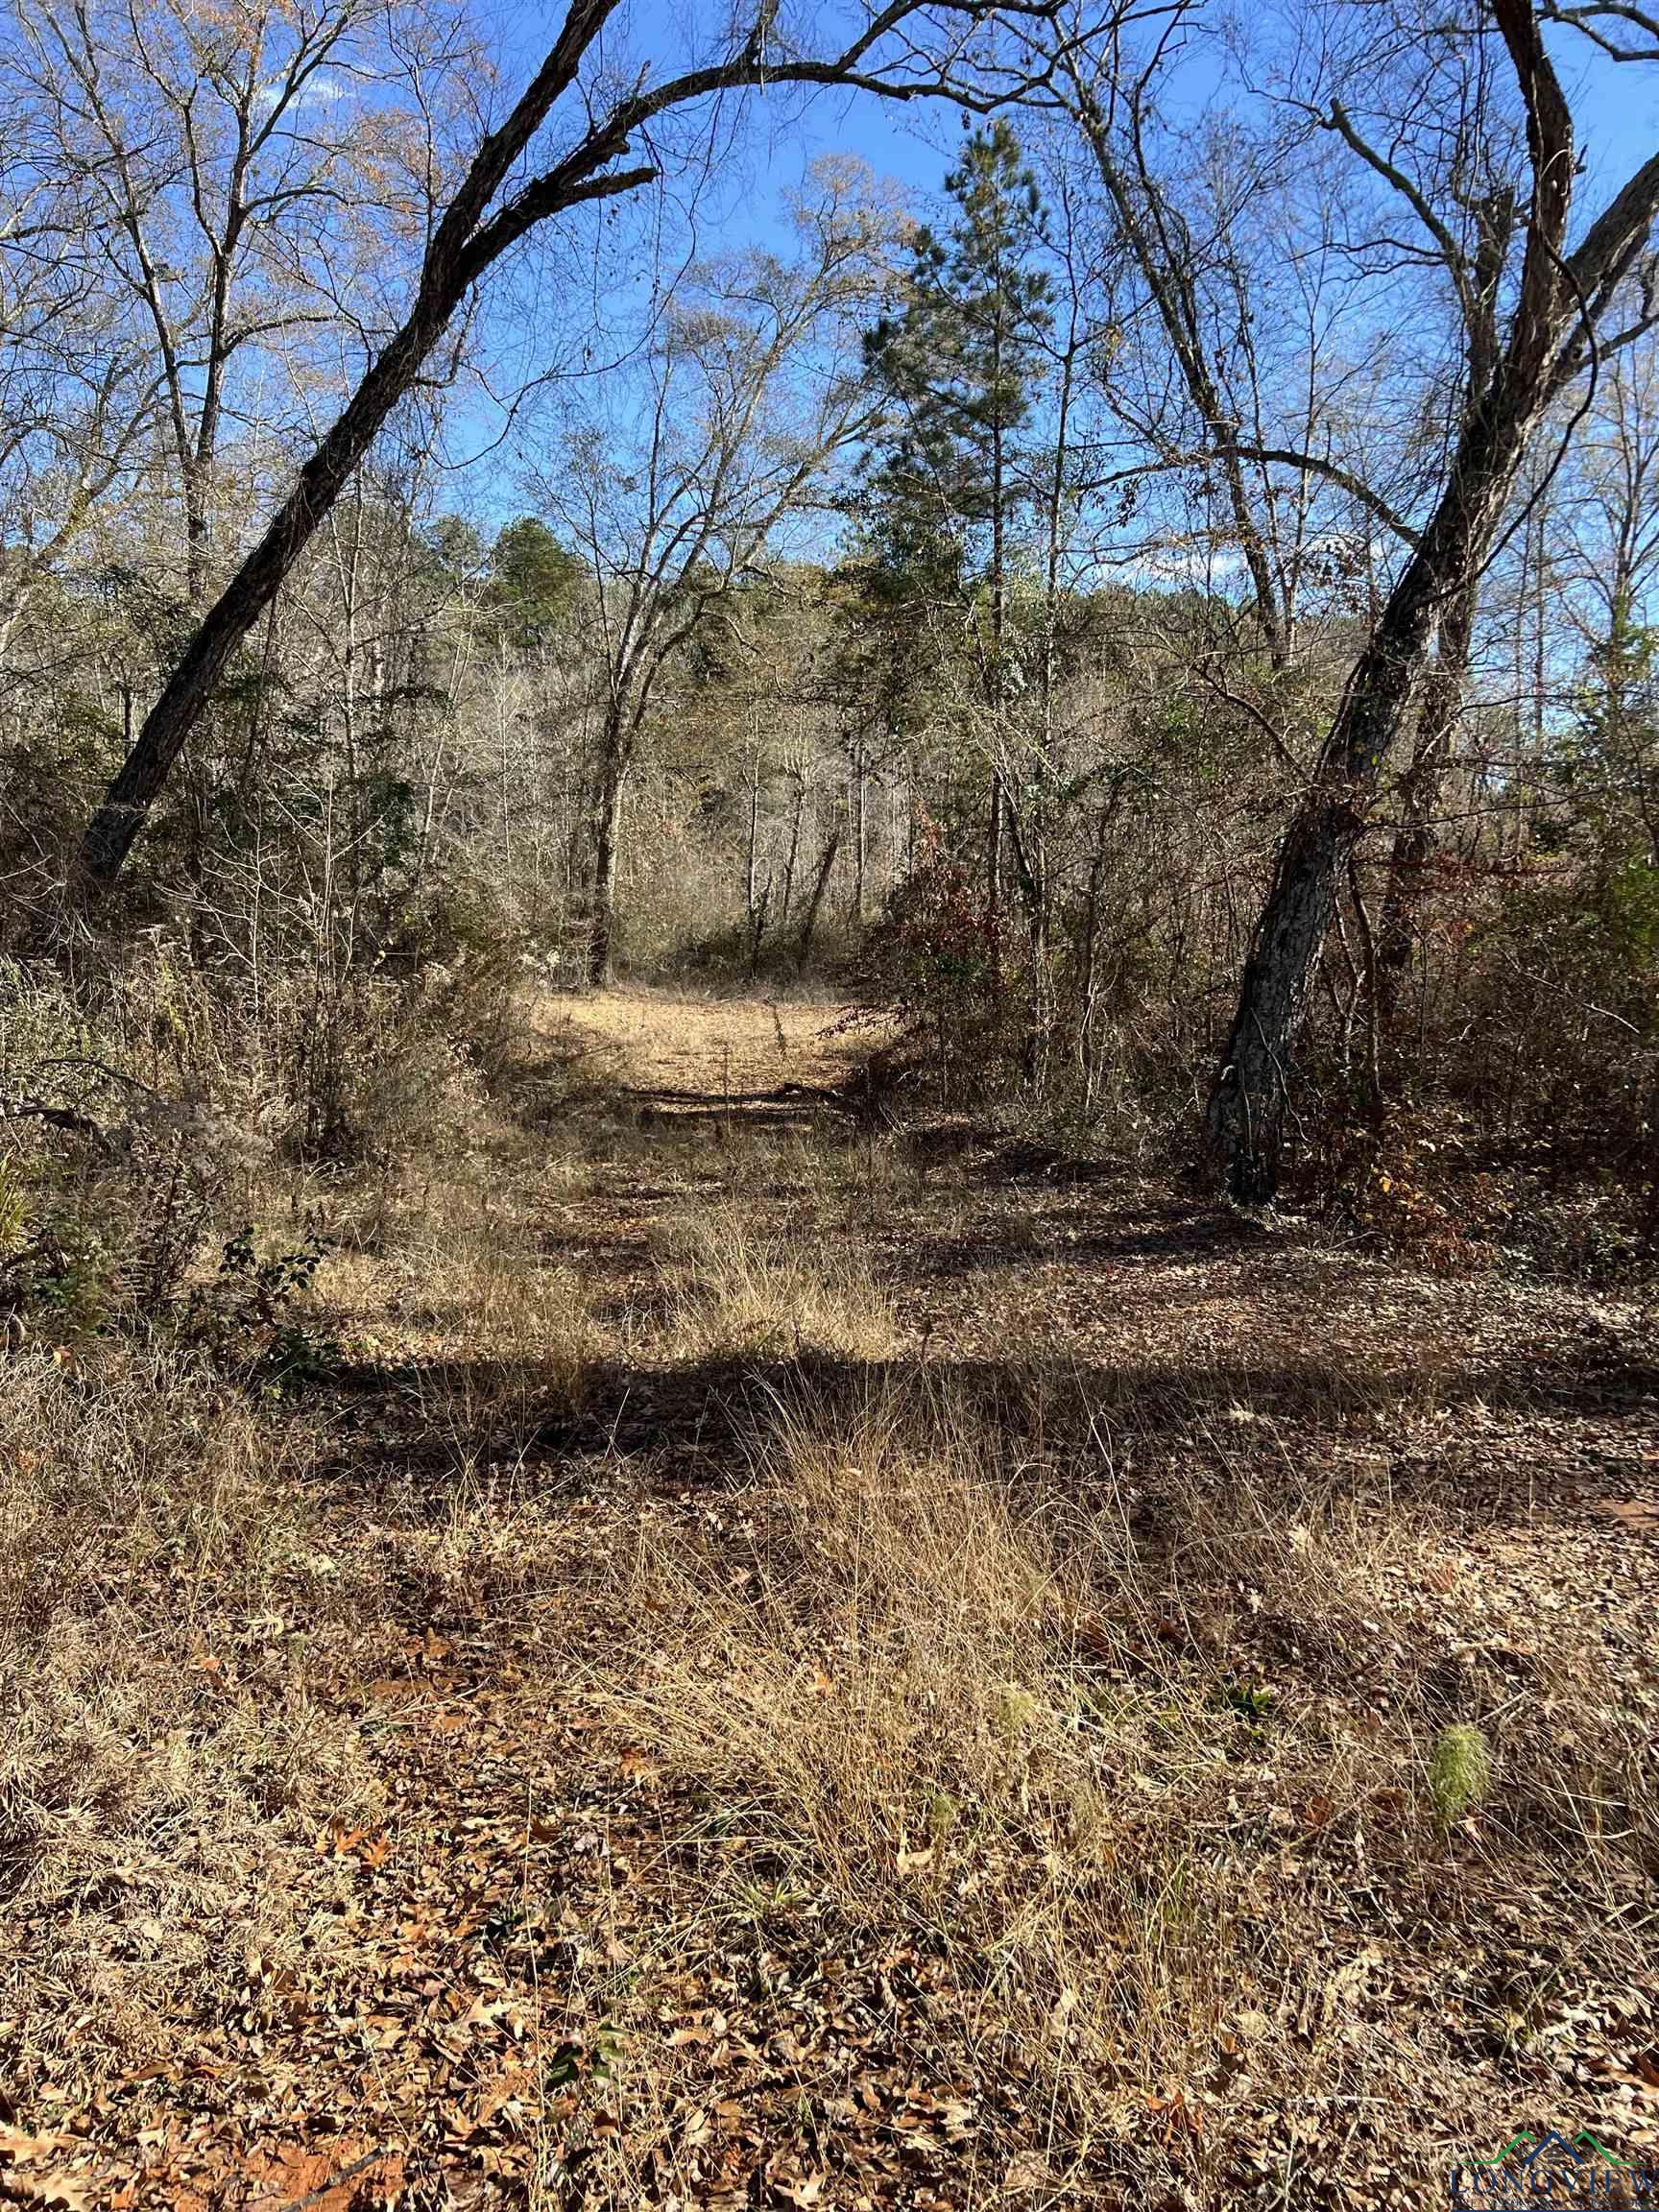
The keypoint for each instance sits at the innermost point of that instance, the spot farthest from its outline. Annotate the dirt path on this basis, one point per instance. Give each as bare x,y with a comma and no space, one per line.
749,1060
482,1943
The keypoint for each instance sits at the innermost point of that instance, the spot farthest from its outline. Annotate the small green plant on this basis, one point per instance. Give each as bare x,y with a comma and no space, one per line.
1459,1770
299,1354
943,1813
75,1284
1250,1700
1015,1709
265,1286
597,2061
247,1315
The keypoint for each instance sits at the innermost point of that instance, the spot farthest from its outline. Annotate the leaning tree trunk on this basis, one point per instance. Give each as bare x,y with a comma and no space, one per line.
1251,1093
461,250
810,927
126,803
1250,1097
466,243
1415,839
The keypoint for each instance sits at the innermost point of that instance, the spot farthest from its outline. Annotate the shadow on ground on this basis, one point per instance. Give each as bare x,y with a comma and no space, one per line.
1563,1434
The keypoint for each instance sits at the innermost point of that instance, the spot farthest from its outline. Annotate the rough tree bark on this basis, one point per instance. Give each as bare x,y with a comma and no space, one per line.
1550,334
1415,839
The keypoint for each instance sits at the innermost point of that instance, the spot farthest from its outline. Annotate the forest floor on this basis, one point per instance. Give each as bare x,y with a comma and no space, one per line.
747,1663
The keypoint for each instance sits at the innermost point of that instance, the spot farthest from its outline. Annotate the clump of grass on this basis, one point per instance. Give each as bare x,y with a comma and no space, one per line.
444,1267
966,1689
738,1291
1459,1770
14,1206
902,1698
124,1478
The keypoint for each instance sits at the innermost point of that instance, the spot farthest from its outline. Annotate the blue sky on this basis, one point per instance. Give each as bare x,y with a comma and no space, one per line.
1617,109
910,142
743,203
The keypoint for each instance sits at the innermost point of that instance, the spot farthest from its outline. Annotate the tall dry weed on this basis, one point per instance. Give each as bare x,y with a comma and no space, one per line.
739,1291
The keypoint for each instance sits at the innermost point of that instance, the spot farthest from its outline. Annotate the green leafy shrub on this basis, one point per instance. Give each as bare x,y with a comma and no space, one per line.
246,1316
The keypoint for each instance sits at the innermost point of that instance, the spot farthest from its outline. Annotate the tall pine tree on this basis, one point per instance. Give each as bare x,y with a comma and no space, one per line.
960,363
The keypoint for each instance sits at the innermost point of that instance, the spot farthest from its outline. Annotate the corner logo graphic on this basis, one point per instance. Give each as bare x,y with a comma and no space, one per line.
1544,2173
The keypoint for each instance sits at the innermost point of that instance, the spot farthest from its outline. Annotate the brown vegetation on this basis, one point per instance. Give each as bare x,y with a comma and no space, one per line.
992,1539
751,1667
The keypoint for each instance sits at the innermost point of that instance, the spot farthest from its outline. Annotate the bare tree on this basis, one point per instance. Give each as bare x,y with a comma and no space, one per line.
76,386
1559,299
903,50
1203,220
211,165
676,492
1607,555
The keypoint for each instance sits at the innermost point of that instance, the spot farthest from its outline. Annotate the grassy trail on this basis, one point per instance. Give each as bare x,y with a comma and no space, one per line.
774,1667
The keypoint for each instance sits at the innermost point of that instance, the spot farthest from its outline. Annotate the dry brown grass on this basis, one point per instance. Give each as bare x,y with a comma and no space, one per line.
1087,1715
151,1543
705,1046
449,1274
741,1291
939,1704
1115,1761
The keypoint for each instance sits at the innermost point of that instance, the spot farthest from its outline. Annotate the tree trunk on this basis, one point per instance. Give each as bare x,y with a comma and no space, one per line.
996,687
1250,1095
1087,1055
750,878
607,837
126,803
1415,839
808,926
794,843
466,243
1247,1104
197,531
758,929
858,778
994,867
